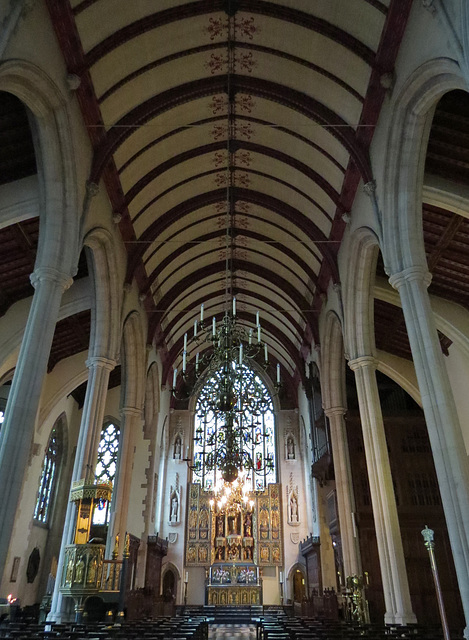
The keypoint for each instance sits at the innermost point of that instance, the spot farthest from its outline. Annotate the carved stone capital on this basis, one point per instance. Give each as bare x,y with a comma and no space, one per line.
363,362
417,273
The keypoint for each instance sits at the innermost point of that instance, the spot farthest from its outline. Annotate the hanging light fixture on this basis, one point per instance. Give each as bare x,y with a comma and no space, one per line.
232,498
226,348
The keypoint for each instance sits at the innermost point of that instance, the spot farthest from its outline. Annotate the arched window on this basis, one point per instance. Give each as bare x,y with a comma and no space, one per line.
106,467
253,417
49,474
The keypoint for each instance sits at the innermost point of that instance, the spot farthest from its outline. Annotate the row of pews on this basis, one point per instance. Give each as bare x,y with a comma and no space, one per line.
193,623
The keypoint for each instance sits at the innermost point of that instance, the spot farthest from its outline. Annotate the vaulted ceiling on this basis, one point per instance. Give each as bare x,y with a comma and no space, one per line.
231,132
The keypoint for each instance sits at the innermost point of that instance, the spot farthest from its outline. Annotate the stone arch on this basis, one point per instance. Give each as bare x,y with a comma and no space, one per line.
333,365
358,295
166,568
58,246
134,359
152,400
290,578
403,245
107,301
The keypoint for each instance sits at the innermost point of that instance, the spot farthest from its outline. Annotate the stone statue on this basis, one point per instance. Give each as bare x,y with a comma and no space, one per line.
174,508
290,448
177,448
293,508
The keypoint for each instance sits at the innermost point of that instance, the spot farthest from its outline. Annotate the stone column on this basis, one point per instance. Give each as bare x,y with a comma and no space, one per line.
391,554
23,402
85,459
344,491
131,422
449,452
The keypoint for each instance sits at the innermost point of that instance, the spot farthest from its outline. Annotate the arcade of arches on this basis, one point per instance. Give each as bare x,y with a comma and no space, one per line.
310,159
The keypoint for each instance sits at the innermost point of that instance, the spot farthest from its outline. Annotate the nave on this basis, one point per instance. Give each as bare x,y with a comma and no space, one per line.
209,623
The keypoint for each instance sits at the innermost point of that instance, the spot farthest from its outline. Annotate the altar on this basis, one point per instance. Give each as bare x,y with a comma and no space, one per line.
234,584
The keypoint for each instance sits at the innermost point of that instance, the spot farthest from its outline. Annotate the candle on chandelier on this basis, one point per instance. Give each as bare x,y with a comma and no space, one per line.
214,326
195,328
201,313
250,336
184,361
258,333
266,357
257,319
240,354
278,374
185,342
175,375
234,307
197,361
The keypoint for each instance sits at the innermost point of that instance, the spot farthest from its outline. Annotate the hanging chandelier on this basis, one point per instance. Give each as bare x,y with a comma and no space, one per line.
232,498
225,350
223,344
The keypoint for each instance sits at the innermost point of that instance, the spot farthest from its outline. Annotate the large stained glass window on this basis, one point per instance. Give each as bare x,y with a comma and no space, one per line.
106,467
253,420
48,476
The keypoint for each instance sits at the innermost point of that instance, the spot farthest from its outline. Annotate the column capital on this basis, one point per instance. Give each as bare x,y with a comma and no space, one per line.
100,361
131,412
416,273
49,274
335,411
363,362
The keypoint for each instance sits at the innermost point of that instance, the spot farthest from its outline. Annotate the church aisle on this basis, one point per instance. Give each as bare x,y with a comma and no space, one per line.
231,632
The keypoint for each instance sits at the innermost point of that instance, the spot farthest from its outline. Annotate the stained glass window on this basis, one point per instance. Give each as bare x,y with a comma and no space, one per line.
106,467
253,420
48,476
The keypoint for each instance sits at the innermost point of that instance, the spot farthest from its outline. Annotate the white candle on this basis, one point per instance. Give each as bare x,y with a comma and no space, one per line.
197,361
257,319
184,361
195,328
241,354
185,342
266,357
234,306
250,336
201,313
214,326
258,333
175,373
278,374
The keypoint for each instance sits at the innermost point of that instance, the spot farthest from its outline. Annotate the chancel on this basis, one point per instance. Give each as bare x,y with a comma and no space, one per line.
234,318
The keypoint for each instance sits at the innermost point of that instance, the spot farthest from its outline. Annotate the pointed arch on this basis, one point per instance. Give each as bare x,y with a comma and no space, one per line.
107,303
55,157
358,294
403,245
133,359
333,364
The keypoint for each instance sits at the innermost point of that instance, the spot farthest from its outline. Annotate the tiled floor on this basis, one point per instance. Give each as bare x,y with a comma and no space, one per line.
231,632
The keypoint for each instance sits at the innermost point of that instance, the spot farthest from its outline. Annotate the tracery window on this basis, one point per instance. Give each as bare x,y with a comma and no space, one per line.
49,476
254,416
106,467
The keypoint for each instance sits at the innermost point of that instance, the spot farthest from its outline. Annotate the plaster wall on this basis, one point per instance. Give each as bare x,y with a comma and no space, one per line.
26,533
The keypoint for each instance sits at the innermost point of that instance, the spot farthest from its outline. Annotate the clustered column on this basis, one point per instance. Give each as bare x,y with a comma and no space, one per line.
344,487
391,555
449,452
23,401
86,455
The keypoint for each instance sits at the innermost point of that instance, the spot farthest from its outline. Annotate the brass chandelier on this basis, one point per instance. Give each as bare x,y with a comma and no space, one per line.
225,349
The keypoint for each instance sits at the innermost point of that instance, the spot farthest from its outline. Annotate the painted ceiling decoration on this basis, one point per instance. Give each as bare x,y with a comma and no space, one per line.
308,82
